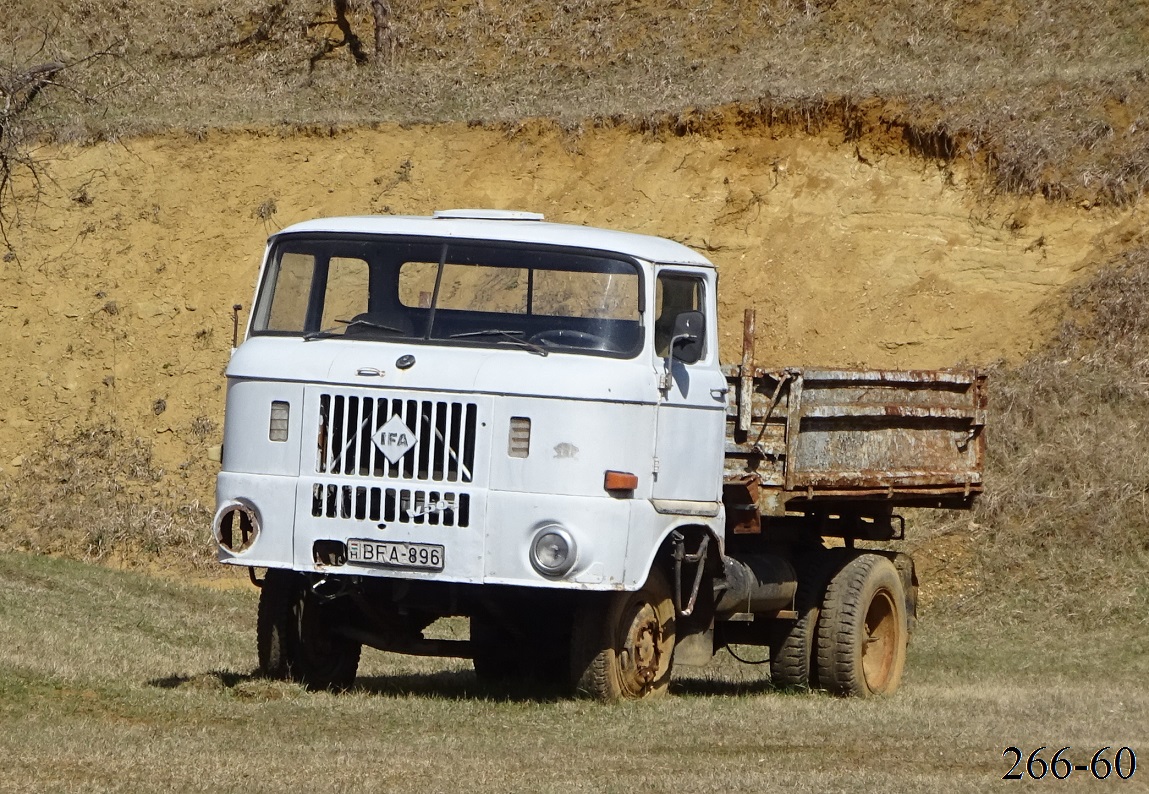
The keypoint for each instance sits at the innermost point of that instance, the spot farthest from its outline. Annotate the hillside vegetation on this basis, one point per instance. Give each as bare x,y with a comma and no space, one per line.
1062,534
1049,96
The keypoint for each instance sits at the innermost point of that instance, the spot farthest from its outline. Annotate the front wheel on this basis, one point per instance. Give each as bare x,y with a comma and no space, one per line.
276,595
862,631
622,650
296,635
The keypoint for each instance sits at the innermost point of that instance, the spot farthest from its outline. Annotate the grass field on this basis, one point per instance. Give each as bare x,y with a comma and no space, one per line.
114,681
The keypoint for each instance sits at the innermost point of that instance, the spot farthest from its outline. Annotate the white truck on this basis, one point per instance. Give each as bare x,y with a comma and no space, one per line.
481,414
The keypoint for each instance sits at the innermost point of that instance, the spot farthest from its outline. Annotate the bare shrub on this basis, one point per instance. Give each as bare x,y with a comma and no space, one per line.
348,37
203,428
266,209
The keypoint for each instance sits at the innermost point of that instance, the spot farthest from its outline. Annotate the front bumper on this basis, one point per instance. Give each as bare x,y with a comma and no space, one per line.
488,544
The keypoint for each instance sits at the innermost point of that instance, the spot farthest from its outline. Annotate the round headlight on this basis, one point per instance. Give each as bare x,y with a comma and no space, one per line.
236,527
553,551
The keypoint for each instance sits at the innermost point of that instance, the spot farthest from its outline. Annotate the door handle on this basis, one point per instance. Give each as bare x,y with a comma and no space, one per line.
720,394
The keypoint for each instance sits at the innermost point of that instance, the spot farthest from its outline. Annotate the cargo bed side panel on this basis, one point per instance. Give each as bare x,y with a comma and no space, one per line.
905,437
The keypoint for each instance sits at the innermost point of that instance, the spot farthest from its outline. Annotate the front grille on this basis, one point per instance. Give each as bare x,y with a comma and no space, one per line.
444,433
391,505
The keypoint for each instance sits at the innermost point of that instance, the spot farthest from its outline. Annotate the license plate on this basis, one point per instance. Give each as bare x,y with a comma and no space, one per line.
396,555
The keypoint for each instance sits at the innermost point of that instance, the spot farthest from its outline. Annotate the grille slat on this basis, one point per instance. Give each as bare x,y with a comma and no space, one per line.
444,432
376,457
324,431
362,451
445,464
423,451
391,505
404,462
459,429
344,442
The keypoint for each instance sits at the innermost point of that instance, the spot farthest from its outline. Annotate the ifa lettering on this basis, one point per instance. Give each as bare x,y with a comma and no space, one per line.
394,439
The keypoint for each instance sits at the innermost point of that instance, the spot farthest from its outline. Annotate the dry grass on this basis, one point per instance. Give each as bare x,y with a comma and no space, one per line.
97,495
1049,96
1063,530
110,681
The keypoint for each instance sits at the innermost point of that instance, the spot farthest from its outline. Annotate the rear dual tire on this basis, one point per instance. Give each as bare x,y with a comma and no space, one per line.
794,644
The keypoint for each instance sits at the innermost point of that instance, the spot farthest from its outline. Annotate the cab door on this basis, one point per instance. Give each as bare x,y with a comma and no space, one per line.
691,411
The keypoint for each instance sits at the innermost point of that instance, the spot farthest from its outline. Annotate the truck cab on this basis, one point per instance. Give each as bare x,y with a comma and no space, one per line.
466,399
474,401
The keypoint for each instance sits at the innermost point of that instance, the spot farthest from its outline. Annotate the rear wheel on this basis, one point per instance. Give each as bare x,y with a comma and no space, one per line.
862,631
622,649
793,644
296,635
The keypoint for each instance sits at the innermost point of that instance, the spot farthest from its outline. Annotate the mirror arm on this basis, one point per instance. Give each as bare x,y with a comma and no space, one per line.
664,383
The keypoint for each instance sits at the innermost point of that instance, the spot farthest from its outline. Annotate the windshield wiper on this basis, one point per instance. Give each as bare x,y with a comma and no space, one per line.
324,334
371,324
328,333
512,336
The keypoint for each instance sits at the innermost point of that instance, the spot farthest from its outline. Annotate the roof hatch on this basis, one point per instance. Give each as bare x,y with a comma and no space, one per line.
489,215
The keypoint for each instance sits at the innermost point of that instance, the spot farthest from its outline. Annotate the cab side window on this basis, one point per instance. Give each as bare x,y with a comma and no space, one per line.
674,294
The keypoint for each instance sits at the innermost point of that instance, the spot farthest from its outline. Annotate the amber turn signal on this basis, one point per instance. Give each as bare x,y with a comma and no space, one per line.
620,481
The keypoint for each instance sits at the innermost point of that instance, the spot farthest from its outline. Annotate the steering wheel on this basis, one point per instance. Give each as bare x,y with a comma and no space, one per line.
568,337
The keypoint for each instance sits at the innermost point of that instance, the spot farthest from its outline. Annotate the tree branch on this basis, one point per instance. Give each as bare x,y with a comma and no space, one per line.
385,49
349,38
20,88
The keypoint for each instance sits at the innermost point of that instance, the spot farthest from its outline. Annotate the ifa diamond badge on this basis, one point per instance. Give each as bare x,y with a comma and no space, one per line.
394,439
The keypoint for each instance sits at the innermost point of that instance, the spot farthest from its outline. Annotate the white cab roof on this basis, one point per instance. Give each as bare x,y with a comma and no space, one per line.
509,227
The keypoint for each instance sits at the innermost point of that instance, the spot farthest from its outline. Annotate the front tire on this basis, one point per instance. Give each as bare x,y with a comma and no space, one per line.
862,632
623,650
296,635
271,627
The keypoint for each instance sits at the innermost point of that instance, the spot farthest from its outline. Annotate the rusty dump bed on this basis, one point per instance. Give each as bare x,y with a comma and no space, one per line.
801,438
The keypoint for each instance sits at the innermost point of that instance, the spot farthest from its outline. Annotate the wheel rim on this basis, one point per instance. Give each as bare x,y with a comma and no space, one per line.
641,657
879,651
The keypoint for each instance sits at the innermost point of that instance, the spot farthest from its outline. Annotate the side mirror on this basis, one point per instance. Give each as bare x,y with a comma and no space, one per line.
689,337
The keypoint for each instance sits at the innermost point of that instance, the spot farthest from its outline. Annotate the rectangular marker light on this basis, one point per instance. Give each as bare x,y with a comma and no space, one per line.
280,416
519,441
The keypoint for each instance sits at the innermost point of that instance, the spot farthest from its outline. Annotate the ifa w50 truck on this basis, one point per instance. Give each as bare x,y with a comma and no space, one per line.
481,414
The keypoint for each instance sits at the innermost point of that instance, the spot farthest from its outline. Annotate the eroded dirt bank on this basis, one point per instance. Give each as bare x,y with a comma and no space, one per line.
118,290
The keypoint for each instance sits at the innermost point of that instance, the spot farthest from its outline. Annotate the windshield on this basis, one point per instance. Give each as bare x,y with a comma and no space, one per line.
493,294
